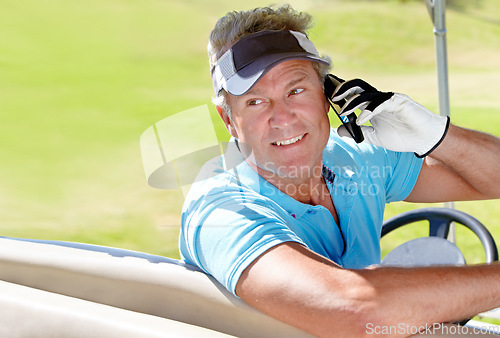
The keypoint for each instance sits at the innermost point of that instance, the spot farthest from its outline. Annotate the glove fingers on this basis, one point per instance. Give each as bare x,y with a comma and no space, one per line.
365,116
371,109
378,99
349,88
360,101
347,94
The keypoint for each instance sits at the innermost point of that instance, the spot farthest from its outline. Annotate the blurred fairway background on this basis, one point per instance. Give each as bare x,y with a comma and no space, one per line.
80,82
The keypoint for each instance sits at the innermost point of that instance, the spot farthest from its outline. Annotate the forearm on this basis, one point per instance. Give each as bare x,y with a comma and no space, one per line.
306,290
473,156
411,298
422,296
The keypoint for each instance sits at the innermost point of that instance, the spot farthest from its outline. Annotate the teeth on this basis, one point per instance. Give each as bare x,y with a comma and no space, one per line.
290,141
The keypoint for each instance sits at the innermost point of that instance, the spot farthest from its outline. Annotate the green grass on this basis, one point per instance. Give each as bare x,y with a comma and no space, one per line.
80,82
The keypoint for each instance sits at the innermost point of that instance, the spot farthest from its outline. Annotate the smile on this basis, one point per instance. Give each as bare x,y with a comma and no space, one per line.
289,141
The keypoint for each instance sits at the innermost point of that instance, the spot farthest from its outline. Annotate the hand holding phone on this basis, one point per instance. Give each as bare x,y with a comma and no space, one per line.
349,121
397,122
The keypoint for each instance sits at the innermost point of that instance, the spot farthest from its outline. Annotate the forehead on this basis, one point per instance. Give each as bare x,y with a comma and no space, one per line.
286,67
287,71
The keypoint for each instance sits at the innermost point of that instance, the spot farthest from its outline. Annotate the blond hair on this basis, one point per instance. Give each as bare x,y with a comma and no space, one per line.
235,25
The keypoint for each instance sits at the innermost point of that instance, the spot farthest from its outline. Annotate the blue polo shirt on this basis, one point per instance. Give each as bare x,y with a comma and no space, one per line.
231,215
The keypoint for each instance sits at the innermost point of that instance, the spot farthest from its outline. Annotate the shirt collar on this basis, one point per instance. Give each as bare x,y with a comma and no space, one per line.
235,163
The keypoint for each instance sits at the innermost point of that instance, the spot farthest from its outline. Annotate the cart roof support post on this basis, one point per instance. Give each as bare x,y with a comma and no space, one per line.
437,10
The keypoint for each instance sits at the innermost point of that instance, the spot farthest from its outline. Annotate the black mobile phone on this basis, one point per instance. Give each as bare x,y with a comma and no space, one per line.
349,121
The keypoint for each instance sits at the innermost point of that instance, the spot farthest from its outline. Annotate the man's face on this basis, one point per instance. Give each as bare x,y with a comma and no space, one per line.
283,119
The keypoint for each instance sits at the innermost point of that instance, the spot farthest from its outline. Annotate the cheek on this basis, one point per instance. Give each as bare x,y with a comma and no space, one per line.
317,109
245,130
322,102
326,108
252,125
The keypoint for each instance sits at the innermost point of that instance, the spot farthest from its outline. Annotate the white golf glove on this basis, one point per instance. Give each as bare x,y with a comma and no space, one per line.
398,123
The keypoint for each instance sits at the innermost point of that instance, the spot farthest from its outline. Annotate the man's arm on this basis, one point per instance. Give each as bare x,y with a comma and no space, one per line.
299,287
465,166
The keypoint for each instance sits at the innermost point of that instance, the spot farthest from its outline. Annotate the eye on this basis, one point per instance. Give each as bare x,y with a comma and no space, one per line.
296,91
254,102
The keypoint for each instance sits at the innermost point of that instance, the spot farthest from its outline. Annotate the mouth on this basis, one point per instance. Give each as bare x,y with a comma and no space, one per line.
288,141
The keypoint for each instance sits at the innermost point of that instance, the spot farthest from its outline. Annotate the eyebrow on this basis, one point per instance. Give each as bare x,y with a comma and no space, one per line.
292,83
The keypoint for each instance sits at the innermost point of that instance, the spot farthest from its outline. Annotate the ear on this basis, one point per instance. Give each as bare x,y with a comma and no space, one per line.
327,105
227,121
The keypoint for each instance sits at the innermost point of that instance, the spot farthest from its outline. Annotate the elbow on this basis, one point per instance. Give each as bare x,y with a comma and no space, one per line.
367,313
351,321
361,309
363,318
354,310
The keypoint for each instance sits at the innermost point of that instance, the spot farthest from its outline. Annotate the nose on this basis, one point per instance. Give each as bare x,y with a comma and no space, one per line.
282,115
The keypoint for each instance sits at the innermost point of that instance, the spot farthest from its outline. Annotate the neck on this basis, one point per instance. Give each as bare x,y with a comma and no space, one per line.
308,186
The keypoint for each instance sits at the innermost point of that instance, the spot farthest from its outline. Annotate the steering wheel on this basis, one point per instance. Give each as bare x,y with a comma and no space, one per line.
436,249
440,220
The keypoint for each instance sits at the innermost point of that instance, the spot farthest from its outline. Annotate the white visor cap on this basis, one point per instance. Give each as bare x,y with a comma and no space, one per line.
238,69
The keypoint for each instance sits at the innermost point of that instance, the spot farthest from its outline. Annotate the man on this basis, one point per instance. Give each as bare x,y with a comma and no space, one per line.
290,218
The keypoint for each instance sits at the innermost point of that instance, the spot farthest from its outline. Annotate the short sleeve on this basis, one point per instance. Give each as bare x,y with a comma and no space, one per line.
225,235
402,170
